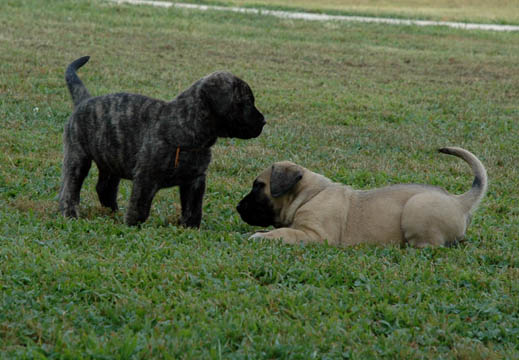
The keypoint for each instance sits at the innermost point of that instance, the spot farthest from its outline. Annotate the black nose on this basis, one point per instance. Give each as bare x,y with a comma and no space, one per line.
260,117
240,207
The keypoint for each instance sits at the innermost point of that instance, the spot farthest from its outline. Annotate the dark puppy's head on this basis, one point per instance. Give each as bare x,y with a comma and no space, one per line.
269,194
232,102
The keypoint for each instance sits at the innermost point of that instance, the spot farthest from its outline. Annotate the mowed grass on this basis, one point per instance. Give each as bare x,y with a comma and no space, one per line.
366,105
493,11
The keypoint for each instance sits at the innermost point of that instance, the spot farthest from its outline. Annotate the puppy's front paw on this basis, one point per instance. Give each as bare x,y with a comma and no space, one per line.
132,219
258,235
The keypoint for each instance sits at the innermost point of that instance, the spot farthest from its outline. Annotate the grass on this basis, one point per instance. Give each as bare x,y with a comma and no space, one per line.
365,105
484,11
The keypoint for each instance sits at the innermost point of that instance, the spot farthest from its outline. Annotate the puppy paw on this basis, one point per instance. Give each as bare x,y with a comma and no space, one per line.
258,235
70,212
191,223
132,220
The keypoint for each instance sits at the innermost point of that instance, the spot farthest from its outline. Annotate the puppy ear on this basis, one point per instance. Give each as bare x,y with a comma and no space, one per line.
284,178
217,91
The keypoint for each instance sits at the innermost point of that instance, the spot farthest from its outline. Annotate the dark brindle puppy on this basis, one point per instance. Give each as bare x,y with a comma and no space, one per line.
156,144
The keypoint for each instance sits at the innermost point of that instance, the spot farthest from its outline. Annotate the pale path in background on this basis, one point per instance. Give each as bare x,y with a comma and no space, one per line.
323,17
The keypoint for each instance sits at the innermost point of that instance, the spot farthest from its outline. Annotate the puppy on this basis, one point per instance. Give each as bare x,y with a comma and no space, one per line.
156,144
307,207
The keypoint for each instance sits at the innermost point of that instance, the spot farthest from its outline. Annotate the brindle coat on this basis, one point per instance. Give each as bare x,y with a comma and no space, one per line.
155,143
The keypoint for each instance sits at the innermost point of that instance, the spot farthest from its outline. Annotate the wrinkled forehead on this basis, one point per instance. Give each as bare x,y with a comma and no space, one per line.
220,79
264,176
240,87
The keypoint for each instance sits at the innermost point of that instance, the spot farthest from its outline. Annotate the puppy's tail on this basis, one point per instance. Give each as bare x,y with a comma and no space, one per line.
470,200
77,89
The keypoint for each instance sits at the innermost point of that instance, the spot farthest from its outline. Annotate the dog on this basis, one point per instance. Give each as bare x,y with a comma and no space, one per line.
306,207
154,143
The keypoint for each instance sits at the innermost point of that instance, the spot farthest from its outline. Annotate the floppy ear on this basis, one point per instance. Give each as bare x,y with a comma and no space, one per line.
217,91
283,178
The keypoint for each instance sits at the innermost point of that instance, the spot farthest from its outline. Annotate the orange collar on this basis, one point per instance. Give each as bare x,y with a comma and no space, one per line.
177,153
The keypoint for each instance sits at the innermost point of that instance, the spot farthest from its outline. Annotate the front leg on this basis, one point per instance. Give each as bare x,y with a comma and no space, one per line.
289,236
191,197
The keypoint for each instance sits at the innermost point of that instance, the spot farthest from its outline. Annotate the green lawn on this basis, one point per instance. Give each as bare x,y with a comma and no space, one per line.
493,11
363,104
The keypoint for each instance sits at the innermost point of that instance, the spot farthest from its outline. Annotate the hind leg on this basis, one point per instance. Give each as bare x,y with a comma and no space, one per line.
75,169
143,191
432,219
107,186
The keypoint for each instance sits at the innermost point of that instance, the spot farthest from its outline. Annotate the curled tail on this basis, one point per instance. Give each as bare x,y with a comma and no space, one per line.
471,198
77,89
